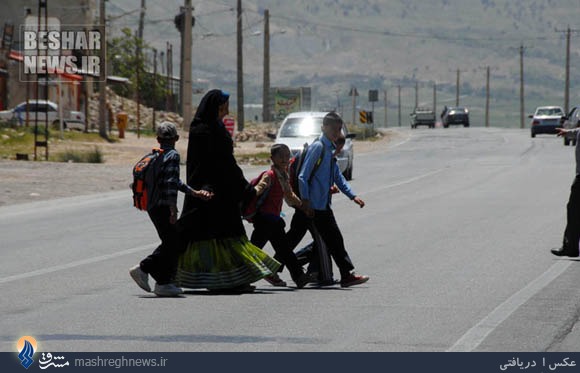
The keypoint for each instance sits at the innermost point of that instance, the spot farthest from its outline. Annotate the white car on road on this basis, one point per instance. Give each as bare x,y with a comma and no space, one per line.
39,111
304,127
546,119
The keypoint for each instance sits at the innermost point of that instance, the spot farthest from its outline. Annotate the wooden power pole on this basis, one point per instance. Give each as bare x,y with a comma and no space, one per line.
522,110
568,32
487,98
266,82
187,91
399,89
102,76
457,89
240,57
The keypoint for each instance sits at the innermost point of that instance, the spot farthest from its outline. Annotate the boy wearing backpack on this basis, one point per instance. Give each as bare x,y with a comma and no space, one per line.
162,187
274,185
315,253
315,190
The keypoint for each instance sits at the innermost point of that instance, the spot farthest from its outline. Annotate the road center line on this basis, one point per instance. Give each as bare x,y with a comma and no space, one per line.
477,334
77,263
404,182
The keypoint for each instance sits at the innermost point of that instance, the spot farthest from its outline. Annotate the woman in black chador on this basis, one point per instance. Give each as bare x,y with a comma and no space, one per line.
218,254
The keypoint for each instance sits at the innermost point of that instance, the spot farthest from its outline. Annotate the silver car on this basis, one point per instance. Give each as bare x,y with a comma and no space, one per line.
41,111
545,120
304,127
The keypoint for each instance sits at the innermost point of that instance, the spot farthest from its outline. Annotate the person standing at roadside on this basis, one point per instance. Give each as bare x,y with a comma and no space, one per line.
572,232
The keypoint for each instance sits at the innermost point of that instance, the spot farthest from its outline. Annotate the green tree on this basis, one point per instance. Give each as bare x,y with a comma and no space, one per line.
122,52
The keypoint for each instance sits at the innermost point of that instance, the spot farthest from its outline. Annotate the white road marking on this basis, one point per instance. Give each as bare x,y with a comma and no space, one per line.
477,334
77,263
404,182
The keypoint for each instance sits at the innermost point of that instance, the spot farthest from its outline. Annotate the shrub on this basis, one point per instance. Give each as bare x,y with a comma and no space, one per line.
79,156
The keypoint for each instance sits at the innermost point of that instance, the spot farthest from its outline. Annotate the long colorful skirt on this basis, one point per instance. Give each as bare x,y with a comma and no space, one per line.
223,264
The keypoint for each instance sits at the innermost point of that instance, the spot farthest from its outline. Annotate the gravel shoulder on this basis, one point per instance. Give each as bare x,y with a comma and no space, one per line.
29,181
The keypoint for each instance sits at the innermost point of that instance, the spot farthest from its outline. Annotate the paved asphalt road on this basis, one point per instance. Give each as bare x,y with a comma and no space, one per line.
455,237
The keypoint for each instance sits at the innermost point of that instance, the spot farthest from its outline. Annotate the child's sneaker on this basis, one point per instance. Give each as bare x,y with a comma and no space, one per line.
167,290
353,279
275,280
303,280
140,277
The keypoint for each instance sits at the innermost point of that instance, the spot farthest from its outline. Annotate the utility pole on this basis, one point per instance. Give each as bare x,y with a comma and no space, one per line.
567,85
568,32
139,55
187,91
154,87
102,75
416,94
399,89
141,20
266,82
487,98
435,98
457,89
169,72
241,119
522,86
353,93
386,106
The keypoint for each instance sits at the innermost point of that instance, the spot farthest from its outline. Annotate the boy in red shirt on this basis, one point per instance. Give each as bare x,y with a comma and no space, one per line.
268,225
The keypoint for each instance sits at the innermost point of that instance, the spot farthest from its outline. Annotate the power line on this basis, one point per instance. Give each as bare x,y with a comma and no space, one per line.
416,35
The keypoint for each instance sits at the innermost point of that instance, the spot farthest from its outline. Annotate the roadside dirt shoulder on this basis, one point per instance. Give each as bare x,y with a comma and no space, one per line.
28,181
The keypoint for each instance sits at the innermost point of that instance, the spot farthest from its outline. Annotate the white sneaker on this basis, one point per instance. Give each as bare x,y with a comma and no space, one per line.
167,290
140,277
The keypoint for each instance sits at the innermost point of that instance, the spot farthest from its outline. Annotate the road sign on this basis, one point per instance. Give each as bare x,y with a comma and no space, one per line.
230,124
353,92
362,116
373,95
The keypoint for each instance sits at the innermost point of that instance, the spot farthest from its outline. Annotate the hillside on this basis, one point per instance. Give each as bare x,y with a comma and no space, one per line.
330,45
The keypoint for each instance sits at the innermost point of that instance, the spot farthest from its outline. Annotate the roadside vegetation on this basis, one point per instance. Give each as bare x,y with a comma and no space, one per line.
257,159
81,147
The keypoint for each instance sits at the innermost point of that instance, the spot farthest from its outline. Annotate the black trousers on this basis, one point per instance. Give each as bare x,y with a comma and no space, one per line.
269,228
319,260
299,225
325,223
162,263
572,232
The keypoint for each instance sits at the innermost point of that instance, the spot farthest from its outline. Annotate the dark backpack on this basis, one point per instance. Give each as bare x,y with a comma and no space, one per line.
144,180
251,207
295,166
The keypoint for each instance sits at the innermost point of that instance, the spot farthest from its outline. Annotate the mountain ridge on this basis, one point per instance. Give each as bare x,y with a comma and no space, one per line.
332,45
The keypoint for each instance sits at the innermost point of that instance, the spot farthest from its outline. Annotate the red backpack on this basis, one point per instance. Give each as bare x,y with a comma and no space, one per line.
251,207
296,164
144,180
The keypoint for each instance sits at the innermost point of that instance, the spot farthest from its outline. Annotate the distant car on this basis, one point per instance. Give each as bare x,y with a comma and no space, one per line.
455,116
39,111
546,119
570,121
422,116
304,127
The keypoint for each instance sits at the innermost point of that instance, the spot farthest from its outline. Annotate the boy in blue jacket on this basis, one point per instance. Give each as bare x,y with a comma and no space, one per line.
315,191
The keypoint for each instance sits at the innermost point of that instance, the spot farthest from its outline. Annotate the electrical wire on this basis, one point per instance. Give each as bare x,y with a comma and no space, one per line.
416,35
